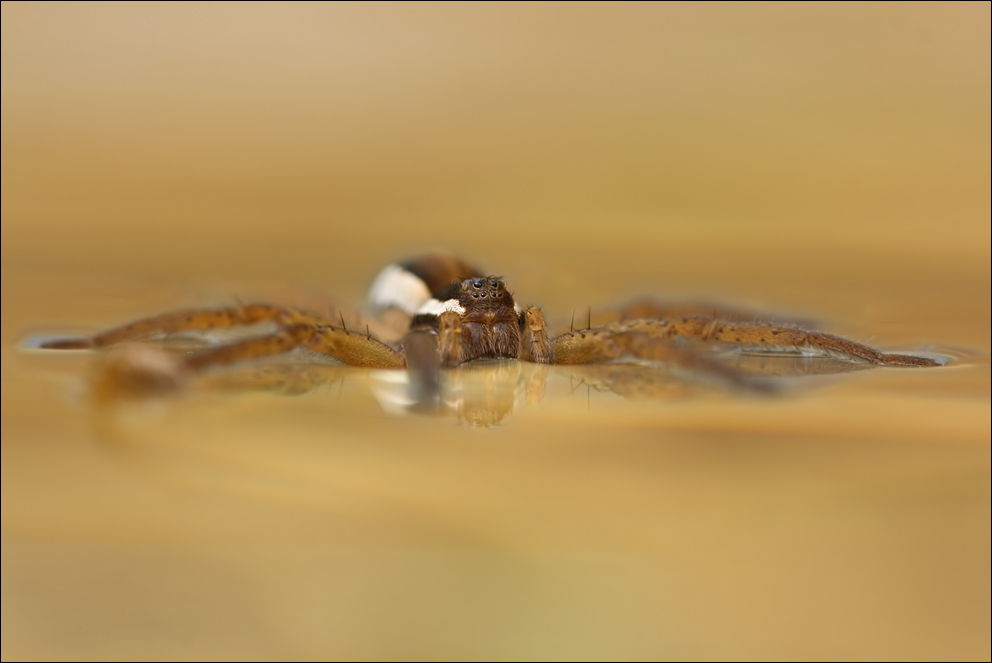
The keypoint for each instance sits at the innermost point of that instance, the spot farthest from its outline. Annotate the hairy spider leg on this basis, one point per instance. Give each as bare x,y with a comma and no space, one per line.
659,309
188,320
603,344
535,345
297,328
144,368
451,352
759,335
348,347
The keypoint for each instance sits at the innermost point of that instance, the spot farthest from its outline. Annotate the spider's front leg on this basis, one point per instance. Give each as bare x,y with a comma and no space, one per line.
535,344
450,350
455,346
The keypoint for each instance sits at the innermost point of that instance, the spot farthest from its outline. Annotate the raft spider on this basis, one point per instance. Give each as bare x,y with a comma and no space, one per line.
454,314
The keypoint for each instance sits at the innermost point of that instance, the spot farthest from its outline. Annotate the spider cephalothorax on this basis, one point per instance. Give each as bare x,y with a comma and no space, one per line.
488,320
454,314
472,316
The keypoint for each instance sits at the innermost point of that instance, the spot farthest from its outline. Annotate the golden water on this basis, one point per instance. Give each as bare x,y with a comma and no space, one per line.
830,163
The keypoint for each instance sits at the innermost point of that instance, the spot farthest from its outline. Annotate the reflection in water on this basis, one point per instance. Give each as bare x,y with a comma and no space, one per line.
481,393
445,336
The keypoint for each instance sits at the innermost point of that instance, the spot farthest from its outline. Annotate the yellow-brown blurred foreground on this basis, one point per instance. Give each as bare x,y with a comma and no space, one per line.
826,161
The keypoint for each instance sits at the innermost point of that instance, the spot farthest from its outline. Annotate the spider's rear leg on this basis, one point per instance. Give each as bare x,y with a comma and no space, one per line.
603,344
346,346
187,320
658,309
767,336
136,369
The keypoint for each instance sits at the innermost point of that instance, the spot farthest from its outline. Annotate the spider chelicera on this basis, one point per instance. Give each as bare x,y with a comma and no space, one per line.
454,314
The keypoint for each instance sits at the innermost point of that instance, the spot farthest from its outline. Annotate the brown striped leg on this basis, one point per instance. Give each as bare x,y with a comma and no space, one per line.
657,309
141,369
535,346
353,348
590,346
188,320
771,337
346,346
687,360
587,346
450,339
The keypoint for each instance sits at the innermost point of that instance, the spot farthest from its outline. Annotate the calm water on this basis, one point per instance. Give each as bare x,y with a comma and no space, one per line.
144,169
850,514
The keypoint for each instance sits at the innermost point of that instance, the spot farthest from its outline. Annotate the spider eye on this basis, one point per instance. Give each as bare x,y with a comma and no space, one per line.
494,283
478,283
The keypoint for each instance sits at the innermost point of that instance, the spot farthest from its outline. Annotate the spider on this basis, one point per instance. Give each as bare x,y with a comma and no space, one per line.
454,314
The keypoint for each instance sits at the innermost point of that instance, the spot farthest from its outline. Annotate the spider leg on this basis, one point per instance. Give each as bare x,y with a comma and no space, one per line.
346,346
279,342
450,350
688,360
659,309
767,336
187,320
589,346
138,369
353,348
535,345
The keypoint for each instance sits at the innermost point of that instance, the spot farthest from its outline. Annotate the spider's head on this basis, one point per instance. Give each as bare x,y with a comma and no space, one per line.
484,292
490,317
481,299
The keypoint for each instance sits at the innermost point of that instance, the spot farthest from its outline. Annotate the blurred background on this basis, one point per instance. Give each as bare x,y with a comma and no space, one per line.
828,161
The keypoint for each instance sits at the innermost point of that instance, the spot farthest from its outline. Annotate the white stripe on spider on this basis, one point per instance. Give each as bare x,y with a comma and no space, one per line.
395,286
435,307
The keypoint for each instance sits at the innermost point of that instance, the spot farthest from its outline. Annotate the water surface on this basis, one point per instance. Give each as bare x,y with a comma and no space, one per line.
829,164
